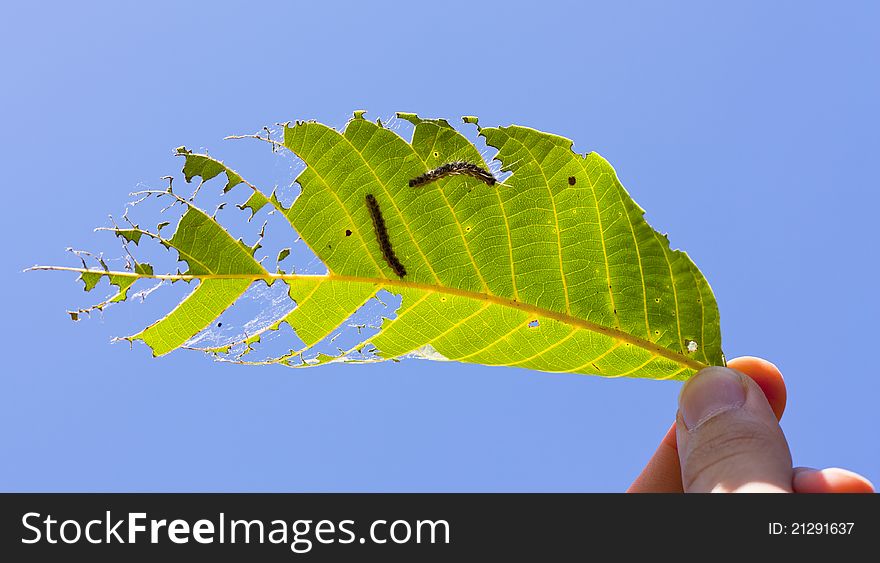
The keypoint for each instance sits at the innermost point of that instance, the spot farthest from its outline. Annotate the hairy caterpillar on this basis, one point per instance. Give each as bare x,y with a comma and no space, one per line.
382,236
458,168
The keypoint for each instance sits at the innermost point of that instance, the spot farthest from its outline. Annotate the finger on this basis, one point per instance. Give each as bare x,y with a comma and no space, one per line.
662,473
728,436
831,480
767,376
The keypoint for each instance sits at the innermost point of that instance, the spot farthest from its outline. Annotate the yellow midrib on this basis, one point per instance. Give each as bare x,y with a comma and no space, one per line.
388,282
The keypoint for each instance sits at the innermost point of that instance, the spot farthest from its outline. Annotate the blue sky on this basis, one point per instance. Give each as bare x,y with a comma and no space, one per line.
748,132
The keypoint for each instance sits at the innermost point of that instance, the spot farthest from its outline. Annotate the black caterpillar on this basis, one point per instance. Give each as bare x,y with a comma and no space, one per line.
382,236
454,169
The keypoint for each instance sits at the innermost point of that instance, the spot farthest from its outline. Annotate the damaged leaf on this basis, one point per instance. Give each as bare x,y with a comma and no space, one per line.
553,268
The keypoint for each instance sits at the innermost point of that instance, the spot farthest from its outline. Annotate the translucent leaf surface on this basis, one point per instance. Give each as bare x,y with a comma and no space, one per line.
552,269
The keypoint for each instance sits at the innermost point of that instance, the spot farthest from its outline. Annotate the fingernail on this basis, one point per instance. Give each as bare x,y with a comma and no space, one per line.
711,392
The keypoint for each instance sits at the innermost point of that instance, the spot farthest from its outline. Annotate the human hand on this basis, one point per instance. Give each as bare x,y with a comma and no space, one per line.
727,438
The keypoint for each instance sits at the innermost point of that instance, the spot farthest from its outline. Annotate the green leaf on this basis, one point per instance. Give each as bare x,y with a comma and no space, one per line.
225,267
207,168
553,269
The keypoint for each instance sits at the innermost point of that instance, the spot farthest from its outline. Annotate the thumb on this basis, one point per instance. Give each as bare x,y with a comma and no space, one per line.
728,437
